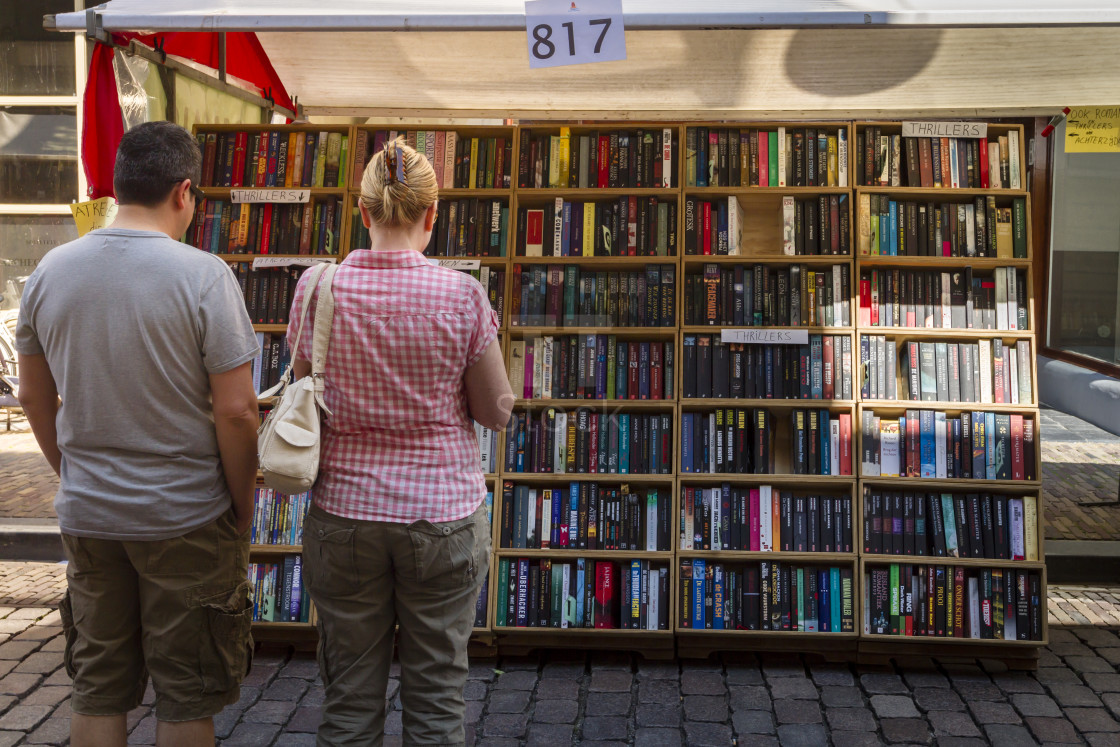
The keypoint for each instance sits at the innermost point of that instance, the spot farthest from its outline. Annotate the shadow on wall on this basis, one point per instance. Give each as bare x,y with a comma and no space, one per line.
833,70
1086,394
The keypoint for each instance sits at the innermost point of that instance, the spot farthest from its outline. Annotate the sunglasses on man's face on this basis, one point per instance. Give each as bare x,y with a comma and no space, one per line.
199,195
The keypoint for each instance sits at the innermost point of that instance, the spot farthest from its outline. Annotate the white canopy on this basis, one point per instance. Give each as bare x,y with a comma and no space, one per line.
712,59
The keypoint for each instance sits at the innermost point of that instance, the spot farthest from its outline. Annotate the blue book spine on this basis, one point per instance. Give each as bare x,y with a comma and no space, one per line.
600,366
979,446
717,598
686,442
929,450
826,443
894,228
566,231
834,598
634,603
698,570
557,514
624,444
990,444
824,602
581,580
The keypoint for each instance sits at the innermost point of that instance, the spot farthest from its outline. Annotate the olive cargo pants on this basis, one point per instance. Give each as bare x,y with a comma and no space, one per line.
367,576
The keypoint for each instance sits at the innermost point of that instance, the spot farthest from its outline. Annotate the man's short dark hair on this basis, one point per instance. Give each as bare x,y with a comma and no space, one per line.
152,158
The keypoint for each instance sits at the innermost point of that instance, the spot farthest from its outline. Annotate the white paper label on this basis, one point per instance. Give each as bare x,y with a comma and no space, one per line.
259,262
459,264
571,32
766,336
270,195
945,129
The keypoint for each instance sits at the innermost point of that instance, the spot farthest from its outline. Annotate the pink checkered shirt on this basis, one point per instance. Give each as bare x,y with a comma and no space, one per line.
399,445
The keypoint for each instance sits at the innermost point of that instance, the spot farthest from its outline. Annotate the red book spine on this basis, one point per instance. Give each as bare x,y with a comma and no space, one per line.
1017,461
865,302
604,595
656,383
845,443
240,143
913,445
262,159
632,226
633,374
266,228
604,161
982,166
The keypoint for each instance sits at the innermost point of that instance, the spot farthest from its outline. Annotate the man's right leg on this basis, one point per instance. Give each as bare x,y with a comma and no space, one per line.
101,622
348,572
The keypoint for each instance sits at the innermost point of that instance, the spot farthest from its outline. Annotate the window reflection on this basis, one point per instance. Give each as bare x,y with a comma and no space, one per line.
38,155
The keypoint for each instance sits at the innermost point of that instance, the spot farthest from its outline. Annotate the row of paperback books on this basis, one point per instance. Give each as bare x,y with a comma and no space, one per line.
742,441
926,229
616,159
487,448
460,162
571,296
819,370
582,593
272,361
278,518
766,596
782,157
591,366
278,591
584,516
954,525
628,226
754,295
222,227
890,160
469,227
273,159
932,444
952,299
763,519
815,225
268,291
985,371
953,602
589,442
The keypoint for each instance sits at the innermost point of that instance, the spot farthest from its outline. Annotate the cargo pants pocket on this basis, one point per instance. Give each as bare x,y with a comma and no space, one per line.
226,647
69,633
449,555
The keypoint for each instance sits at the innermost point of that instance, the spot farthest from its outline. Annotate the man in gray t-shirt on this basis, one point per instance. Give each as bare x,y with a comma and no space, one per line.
148,344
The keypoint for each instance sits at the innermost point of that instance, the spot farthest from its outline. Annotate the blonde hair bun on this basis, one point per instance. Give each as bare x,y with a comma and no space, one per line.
398,185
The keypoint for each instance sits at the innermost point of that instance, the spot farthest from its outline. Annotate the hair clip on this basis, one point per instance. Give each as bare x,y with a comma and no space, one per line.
400,164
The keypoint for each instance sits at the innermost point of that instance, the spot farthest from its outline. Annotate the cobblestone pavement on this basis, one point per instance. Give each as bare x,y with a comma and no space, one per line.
567,698
28,486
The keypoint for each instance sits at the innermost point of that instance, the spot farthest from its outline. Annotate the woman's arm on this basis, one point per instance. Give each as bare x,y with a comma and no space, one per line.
489,397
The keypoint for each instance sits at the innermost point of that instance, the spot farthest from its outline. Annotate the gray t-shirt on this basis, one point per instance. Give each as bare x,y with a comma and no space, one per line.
132,323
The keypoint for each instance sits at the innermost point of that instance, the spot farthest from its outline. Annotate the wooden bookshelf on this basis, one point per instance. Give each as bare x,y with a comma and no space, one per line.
761,243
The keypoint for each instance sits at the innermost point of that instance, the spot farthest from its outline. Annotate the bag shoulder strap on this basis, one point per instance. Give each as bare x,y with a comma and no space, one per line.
313,278
324,317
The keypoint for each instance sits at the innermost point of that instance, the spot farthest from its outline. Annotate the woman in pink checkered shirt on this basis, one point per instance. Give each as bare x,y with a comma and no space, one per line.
398,534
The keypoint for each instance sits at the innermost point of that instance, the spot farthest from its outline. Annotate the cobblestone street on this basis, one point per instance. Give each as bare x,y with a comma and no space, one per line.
568,698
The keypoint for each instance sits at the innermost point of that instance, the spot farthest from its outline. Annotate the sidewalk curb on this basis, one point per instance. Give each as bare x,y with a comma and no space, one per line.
31,540
1082,561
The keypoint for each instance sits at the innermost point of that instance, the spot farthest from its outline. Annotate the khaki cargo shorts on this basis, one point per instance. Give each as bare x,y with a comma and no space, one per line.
177,609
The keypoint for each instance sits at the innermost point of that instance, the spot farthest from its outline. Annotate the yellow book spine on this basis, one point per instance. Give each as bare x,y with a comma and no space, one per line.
320,158
1030,527
565,157
589,229
473,182
833,178
289,173
864,224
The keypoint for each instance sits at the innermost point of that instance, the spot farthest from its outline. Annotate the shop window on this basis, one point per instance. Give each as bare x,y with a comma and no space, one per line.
34,61
1083,310
38,155
24,240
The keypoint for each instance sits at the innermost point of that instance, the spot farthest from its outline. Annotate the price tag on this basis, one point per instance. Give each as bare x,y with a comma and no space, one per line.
766,336
571,32
270,195
459,264
259,262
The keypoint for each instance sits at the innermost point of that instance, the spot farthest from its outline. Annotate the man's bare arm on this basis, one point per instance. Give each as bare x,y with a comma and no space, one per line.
38,396
235,420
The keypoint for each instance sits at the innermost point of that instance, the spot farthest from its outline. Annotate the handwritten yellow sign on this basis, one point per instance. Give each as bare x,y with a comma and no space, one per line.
97,213
1093,129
